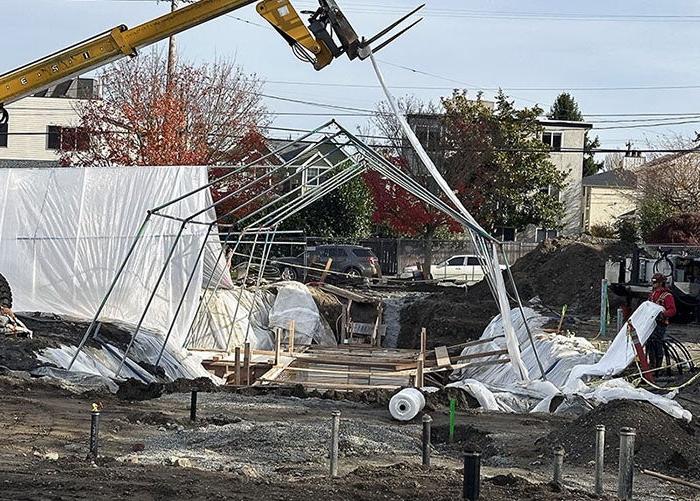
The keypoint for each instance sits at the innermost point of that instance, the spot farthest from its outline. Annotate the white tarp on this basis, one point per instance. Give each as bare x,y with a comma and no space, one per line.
64,232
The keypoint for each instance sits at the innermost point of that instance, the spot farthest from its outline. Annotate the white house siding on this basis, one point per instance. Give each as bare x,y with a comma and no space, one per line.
604,205
33,115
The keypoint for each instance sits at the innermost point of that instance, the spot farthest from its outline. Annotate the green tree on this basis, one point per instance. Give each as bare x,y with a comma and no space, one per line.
494,160
565,107
345,213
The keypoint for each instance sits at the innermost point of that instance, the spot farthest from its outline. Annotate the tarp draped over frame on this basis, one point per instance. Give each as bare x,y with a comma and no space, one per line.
65,232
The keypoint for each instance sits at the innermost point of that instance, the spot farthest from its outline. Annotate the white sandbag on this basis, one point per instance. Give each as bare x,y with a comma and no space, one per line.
621,352
406,404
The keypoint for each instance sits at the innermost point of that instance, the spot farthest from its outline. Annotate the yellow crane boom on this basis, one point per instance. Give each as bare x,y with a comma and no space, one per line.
314,44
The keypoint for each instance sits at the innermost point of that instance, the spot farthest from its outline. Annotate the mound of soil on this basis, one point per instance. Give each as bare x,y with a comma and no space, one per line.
467,438
679,229
451,317
663,443
564,271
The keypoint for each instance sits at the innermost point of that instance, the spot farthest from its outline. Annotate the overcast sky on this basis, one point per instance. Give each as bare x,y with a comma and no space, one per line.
520,45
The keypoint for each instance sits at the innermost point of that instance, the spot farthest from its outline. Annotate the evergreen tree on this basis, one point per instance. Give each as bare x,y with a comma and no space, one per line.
565,107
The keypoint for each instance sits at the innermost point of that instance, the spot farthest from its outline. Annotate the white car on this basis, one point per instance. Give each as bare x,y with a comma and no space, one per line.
462,268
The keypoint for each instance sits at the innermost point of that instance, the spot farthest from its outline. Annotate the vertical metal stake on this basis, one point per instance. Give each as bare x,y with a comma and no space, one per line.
620,319
604,307
558,465
426,439
335,430
453,408
472,476
193,406
94,434
626,472
599,458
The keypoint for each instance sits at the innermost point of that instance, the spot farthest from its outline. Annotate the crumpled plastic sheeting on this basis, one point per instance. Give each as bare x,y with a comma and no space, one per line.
566,360
620,389
76,382
104,361
215,322
621,352
557,353
64,233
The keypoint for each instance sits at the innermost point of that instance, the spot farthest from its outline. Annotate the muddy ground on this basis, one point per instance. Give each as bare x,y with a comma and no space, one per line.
267,446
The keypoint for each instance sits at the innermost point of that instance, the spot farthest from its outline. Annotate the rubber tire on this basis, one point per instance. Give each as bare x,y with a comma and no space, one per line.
293,275
358,273
5,293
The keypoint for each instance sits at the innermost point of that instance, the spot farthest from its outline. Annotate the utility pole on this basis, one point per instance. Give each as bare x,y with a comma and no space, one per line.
172,49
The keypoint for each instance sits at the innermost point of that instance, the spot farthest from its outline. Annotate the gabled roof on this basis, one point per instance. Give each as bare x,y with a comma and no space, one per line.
618,178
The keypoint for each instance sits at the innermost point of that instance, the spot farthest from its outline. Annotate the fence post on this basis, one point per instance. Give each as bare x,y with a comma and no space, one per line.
626,472
599,458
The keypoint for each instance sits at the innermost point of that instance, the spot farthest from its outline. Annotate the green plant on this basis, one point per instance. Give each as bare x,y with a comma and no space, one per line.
602,231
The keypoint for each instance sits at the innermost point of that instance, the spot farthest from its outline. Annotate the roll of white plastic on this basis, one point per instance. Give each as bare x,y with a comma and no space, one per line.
406,404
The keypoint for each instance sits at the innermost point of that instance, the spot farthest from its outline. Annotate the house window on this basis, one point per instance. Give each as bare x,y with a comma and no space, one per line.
67,138
428,136
543,234
553,140
505,234
4,129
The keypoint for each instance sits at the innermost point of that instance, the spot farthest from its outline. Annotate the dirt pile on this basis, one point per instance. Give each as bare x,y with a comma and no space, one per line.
564,271
451,316
662,443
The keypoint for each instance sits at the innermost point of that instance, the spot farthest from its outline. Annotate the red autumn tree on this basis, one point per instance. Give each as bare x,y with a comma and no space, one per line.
198,115
405,214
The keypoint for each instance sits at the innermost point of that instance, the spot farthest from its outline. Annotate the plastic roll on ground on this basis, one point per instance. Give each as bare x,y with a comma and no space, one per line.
406,404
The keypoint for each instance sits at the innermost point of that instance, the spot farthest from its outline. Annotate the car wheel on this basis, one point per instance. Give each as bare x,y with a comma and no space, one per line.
289,274
354,273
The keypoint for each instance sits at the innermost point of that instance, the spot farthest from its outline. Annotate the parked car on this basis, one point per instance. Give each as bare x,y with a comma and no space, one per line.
462,268
353,260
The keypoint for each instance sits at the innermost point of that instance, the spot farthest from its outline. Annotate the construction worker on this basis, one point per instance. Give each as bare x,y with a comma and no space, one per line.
662,296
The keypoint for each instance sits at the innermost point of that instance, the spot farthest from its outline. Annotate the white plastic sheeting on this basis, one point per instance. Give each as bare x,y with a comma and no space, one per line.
621,352
105,360
215,323
65,232
567,360
295,302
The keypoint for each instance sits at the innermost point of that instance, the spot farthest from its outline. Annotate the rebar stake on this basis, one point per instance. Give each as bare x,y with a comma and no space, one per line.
599,458
558,465
626,471
193,406
335,430
426,439
94,433
472,476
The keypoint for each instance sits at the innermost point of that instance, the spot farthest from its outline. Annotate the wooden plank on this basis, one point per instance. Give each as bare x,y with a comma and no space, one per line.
482,354
351,295
466,365
442,357
346,386
472,343
423,342
278,346
246,363
420,381
326,269
292,326
237,366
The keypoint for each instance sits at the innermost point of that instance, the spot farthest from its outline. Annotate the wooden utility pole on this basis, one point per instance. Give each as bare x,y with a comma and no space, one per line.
172,49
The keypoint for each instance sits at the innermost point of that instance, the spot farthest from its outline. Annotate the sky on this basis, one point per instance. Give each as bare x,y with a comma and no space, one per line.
621,57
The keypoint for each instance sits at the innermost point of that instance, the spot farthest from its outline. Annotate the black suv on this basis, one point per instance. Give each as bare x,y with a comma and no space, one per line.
352,260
